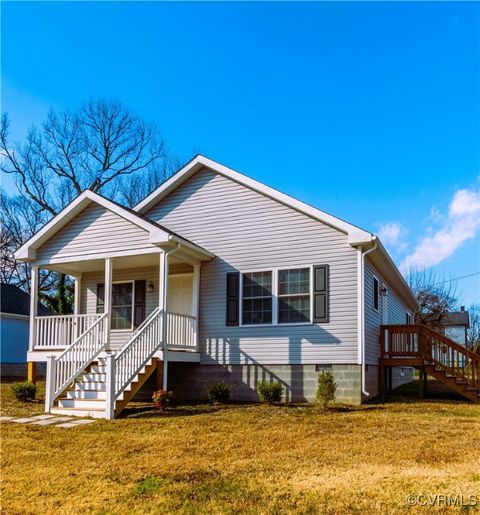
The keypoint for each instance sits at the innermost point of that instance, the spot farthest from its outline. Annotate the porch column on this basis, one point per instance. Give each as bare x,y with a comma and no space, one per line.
108,296
76,304
196,300
162,304
32,331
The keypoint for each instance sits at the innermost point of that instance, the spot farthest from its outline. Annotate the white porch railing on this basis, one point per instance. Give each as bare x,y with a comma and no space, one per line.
65,368
136,353
61,330
181,331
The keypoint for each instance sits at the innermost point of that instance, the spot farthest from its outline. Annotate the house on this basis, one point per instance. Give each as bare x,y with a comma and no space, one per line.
455,325
14,322
214,277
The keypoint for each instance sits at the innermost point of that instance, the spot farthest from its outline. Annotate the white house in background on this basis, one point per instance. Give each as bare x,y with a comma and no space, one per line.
455,325
214,276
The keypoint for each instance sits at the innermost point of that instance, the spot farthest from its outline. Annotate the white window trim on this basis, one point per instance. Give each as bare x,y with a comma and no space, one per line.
274,272
374,277
133,306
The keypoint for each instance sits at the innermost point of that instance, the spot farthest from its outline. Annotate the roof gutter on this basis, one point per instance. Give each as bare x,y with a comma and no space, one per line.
361,309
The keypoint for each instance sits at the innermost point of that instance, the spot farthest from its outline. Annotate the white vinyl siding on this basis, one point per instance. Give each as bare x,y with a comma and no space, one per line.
249,231
96,230
396,310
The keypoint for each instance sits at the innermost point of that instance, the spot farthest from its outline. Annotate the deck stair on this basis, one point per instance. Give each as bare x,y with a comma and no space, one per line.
433,354
88,380
87,397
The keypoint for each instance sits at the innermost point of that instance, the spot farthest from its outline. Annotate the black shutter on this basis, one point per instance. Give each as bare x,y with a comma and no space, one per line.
139,310
100,298
321,287
233,287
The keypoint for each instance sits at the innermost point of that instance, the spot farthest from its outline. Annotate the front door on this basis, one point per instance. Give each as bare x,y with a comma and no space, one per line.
180,291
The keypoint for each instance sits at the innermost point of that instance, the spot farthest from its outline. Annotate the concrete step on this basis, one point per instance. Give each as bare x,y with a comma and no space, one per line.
79,412
86,394
82,403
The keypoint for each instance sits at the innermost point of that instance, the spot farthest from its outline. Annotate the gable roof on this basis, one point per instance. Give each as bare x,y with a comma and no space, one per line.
455,318
357,237
157,233
356,234
17,302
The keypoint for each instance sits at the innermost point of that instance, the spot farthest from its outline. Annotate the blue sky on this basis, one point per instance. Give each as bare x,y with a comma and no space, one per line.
369,111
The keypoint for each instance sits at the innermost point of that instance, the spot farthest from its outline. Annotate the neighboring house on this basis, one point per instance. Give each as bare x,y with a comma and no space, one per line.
14,326
213,277
455,325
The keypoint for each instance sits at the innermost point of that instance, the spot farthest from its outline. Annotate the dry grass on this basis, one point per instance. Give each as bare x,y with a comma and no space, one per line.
243,459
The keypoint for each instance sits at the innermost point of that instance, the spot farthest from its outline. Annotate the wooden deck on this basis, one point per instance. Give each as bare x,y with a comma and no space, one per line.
433,354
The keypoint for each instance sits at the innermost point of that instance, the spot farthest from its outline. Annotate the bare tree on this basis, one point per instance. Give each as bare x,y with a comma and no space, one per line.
435,297
473,332
102,145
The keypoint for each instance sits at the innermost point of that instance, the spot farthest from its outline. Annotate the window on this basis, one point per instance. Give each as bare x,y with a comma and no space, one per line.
375,293
408,318
294,295
122,305
257,298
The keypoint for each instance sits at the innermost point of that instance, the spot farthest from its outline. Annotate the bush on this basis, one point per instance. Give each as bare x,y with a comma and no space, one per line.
163,399
219,392
269,392
326,388
24,391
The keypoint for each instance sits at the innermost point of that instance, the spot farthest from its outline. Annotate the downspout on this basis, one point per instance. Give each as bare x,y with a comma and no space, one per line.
361,310
164,317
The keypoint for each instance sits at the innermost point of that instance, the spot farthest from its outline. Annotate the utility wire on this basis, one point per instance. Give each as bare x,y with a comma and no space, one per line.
457,278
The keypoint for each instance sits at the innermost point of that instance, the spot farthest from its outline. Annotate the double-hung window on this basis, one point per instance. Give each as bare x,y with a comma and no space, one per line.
294,295
257,296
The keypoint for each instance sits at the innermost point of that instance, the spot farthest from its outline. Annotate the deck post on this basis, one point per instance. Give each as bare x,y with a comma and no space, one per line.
50,383
196,301
110,382
421,382
32,371
381,382
162,304
108,298
33,307
76,305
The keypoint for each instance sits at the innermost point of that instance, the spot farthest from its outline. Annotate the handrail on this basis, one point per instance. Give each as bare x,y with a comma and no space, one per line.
419,341
66,367
128,362
138,329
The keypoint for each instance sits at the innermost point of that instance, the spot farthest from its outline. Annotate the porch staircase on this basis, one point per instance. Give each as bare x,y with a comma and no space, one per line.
88,380
433,354
87,396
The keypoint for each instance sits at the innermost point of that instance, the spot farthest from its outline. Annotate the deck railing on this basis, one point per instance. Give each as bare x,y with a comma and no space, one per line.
181,331
60,331
65,368
419,341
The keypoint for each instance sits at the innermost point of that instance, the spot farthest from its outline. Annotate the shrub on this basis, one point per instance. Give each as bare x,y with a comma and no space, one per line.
163,399
326,388
219,392
24,391
269,392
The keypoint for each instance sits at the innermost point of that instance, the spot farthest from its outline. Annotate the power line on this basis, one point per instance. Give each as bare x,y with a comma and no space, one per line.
457,278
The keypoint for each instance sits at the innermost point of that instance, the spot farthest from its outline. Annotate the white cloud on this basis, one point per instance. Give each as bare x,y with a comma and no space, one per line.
461,224
392,235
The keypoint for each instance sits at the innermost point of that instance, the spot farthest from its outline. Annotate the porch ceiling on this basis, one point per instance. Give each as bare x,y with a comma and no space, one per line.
76,268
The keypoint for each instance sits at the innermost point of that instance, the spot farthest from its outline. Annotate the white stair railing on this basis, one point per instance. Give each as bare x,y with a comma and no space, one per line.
66,367
134,355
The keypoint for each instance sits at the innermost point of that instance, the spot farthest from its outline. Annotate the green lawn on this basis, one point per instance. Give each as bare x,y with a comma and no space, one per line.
244,459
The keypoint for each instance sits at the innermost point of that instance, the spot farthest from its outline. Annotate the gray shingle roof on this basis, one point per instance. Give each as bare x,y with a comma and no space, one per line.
16,301
457,318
